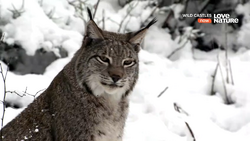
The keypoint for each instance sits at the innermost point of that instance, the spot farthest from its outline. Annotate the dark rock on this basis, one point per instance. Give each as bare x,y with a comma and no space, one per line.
21,63
12,105
202,45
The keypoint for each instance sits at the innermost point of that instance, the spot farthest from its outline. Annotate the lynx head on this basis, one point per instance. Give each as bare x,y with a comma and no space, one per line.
108,62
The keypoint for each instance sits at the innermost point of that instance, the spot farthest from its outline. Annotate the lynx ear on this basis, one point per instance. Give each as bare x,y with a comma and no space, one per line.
137,37
92,30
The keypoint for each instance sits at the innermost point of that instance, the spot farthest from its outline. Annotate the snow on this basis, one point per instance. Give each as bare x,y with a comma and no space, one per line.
151,118
33,27
244,10
159,43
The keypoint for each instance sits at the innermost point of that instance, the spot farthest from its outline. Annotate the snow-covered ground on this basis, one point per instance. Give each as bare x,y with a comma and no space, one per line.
151,118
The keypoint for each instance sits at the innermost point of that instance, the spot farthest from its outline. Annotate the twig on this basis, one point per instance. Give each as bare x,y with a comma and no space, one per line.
2,37
0,11
126,25
213,79
40,3
103,19
20,95
206,3
193,51
228,63
128,13
17,12
25,93
120,26
4,96
113,21
224,84
169,16
186,6
231,72
176,50
51,13
79,8
189,35
162,92
96,6
226,55
150,15
190,130
176,107
179,109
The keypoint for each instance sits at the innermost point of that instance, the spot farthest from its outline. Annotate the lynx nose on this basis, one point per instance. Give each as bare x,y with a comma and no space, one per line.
116,73
115,78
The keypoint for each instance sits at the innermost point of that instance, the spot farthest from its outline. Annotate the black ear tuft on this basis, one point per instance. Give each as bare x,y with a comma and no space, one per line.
92,30
90,15
137,37
151,23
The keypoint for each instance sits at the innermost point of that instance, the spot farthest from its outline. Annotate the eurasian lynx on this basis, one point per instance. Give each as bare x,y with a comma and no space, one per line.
87,100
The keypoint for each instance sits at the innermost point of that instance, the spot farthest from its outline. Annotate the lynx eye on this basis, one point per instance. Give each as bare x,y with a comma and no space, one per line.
128,63
103,59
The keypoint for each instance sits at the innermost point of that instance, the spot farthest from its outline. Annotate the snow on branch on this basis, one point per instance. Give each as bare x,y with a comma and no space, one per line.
131,7
17,12
189,35
81,7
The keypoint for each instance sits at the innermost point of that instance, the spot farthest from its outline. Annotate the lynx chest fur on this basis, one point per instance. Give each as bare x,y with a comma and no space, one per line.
88,99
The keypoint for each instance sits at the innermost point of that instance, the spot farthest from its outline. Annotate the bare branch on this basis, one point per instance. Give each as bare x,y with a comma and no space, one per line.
228,63
186,6
190,131
79,8
51,13
0,12
162,92
150,15
2,38
213,79
25,93
17,12
226,55
126,25
231,72
113,21
103,19
176,107
179,109
4,94
227,100
177,49
4,77
128,14
96,6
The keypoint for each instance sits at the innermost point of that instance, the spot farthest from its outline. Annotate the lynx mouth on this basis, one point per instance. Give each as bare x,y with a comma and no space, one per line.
113,85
